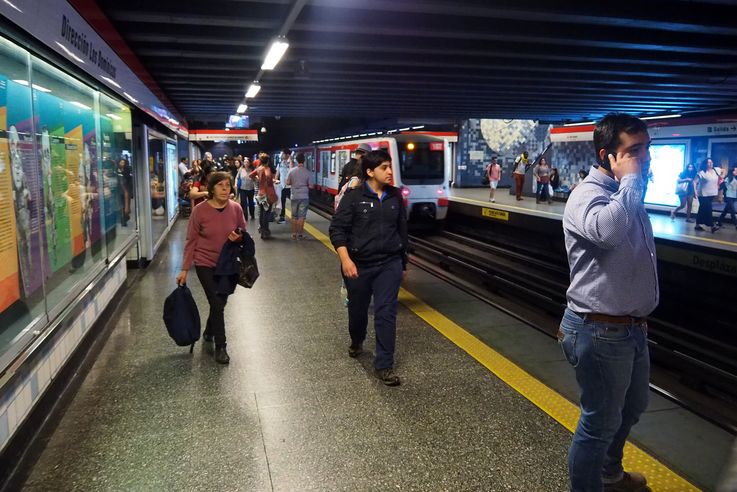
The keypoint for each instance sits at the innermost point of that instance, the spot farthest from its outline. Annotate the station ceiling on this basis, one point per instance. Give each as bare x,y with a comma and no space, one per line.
553,61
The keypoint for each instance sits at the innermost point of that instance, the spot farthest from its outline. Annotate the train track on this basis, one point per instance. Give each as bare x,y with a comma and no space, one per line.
689,369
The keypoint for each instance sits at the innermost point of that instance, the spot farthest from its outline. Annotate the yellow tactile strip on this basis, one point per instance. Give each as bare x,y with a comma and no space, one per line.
660,478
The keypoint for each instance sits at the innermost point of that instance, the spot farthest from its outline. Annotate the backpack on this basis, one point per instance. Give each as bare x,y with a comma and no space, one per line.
342,191
181,317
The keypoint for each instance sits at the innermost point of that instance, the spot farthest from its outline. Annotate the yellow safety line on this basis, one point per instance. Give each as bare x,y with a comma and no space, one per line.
660,478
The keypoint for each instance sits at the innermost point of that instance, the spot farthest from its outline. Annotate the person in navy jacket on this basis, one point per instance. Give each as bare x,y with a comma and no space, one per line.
369,233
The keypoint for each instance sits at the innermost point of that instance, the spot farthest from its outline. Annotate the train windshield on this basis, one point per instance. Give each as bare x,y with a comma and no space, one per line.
421,162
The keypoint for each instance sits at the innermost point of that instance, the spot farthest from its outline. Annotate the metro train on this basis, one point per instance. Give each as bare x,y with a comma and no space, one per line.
421,166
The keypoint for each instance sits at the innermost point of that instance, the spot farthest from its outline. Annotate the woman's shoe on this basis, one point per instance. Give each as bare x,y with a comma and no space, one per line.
714,229
221,355
698,228
690,221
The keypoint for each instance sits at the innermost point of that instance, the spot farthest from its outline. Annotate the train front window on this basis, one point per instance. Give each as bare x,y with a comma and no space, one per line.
421,162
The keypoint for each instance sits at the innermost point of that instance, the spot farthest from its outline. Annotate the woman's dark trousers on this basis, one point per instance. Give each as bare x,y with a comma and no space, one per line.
216,319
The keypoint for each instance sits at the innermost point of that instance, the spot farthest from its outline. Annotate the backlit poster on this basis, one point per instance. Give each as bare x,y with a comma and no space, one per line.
73,147
9,277
109,179
667,163
172,179
50,122
27,193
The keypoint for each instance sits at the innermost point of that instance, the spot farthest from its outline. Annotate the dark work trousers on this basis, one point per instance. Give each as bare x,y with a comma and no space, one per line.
263,219
246,197
704,216
285,193
216,319
542,192
382,282
728,209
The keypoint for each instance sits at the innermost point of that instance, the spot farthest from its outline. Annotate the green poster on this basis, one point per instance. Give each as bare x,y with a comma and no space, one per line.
49,110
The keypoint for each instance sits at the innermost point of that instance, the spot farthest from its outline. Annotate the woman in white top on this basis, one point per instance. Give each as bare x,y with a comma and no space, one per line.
708,188
730,197
246,189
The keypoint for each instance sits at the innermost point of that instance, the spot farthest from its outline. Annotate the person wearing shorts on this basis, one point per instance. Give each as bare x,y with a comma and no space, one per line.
494,172
300,180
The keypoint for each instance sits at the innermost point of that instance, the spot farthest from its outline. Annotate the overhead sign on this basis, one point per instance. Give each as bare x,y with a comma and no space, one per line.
60,27
583,133
218,135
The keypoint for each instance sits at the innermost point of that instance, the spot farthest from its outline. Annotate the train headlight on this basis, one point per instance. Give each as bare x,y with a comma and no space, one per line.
410,146
405,192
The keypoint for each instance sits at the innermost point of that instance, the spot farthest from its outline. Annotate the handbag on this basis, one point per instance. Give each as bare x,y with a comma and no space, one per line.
682,188
248,271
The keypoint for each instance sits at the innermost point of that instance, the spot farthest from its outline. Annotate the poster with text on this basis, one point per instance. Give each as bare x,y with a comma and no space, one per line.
9,276
50,122
27,192
111,202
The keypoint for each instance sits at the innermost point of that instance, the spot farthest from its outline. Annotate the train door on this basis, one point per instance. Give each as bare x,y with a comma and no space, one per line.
322,175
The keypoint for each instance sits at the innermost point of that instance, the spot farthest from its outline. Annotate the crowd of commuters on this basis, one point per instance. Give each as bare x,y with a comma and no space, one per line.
707,184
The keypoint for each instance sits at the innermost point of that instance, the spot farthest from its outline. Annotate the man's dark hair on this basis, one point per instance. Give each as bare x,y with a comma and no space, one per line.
286,151
372,160
214,178
608,129
300,158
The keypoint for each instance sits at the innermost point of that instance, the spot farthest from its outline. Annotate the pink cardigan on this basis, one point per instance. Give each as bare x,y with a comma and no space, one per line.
207,232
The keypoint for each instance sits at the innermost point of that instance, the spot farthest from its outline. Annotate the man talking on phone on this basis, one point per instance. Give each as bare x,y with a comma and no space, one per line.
614,287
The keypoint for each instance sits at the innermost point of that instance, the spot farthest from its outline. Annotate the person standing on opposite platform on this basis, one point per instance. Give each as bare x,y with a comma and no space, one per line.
614,286
520,168
299,179
369,233
542,175
494,172
213,222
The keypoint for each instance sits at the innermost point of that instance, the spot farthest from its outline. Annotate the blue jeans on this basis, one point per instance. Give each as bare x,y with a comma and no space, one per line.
612,366
381,281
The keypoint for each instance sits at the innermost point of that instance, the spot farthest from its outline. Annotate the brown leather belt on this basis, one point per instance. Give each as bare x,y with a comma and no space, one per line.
607,318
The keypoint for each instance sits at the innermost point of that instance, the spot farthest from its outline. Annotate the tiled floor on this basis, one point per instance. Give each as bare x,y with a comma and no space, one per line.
291,411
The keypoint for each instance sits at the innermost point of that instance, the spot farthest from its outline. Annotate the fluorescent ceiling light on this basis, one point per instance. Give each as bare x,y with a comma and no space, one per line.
580,124
404,129
173,121
661,117
113,116
13,6
253,90
130,97
276,51
111,81
241,108
418,127
80,105
69,53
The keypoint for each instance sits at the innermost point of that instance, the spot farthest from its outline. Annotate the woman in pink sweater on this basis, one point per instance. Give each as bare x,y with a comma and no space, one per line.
212,222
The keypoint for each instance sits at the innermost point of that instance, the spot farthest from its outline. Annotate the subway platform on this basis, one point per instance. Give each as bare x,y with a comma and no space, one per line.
292,411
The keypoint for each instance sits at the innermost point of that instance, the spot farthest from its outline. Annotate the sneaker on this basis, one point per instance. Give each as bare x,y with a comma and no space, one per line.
294,237
221,355
355,350
698,228
714,229
387,376
300,237
630,482
280,221
690,221
493,201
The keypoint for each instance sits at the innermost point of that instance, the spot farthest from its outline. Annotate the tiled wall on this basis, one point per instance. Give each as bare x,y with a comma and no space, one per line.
571,157
24,390
480,139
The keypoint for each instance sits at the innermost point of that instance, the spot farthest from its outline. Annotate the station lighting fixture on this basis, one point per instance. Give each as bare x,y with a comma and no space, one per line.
241,108
580,123
410,146
133,99
263,129
276,51
253,90
661,117
111,81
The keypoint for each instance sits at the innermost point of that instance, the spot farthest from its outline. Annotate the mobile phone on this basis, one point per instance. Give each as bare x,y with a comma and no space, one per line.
238,231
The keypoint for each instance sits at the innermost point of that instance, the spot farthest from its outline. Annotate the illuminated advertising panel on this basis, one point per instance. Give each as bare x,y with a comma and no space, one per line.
668,160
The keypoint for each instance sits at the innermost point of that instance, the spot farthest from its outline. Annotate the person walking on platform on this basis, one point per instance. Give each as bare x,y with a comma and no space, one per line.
212,223
521,163
266,197
285,166
494,173
542,175
614,287
707,189
299,179
730,197
686,190
246,189
369,233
